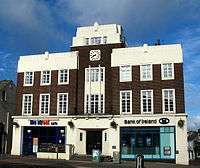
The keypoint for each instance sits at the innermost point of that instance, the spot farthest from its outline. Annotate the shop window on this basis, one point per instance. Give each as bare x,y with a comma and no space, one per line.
147,101
126,101
27,103
146,72
63,76
168,100
167,71
81,136
48,139
45,77
28,78
62,103
44,104
153,143
125,73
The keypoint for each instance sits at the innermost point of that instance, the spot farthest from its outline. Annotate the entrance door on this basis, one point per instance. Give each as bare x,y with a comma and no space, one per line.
93,141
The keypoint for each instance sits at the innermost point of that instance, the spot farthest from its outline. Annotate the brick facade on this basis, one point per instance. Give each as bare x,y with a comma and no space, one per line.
76,85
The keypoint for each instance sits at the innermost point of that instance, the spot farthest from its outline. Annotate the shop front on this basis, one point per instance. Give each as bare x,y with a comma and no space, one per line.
43,139
151,142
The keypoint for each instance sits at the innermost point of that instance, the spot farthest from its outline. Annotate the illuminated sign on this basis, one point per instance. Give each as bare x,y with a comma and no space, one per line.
43,122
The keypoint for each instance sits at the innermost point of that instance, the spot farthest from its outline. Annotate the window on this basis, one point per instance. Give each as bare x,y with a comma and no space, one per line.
169,100
62,103
126,101
125,73
95,105
167,71
28,78
146,72
147,101
95,40
27,104
104,39
46,77
94,75
81,136
87,41
44,104
63,76
105,138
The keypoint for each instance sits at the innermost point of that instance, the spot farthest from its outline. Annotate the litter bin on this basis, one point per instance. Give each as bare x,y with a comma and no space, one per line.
116,157
96,155
140,161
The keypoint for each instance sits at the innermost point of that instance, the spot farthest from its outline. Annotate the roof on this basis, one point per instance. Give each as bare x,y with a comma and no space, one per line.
4,83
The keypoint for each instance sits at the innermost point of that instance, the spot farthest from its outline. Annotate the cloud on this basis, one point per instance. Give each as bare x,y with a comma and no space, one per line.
194,123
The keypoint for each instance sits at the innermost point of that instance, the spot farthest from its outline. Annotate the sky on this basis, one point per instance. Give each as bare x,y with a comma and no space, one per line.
35,26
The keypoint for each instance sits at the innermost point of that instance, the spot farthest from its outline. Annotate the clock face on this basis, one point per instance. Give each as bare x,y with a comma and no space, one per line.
95,55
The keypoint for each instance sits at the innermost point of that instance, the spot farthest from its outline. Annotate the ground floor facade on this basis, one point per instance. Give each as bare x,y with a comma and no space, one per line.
157,137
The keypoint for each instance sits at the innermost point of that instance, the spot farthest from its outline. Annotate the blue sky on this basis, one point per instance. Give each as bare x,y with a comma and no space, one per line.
36,26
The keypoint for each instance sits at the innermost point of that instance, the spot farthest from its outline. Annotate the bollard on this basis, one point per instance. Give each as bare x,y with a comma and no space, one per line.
140,161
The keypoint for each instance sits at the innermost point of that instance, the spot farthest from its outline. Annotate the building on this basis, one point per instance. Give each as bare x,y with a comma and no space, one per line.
102,95
7,109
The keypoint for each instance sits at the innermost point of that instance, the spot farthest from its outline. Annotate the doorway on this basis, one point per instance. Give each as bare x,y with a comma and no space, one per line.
93,141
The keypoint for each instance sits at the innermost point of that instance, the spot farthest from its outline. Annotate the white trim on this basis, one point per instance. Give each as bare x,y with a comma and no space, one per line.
23,104
141,102
120,73
63,83
163,102
41,75
151,69
130,91
59,114
162,72
25,78
48,104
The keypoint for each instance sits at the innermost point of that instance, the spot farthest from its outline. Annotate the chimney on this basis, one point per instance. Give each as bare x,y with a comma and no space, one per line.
46,55
158,42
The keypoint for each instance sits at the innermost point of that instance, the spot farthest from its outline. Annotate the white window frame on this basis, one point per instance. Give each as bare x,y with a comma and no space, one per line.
88,75
163,101
41,78
59,75
130,73
141,76
25,78
122,91
88,111
162,71
141,102
48,104
58,101
23,98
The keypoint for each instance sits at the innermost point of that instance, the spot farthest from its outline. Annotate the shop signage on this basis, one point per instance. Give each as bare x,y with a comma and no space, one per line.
164,120
140,121
147,121
43,122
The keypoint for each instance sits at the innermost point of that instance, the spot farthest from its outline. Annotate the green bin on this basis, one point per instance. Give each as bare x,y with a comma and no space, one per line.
96,155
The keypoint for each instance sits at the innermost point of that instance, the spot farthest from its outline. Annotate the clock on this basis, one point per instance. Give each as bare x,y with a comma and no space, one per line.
95,55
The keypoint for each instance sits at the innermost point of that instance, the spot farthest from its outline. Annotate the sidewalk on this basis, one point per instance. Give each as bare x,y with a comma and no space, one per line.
30,162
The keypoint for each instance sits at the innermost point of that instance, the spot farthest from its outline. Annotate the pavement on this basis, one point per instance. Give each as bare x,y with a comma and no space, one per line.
25,162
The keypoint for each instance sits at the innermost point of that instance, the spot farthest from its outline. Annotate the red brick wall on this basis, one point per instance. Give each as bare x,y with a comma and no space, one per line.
53,89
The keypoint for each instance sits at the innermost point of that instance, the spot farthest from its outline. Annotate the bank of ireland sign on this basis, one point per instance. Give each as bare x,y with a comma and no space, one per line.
147,121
